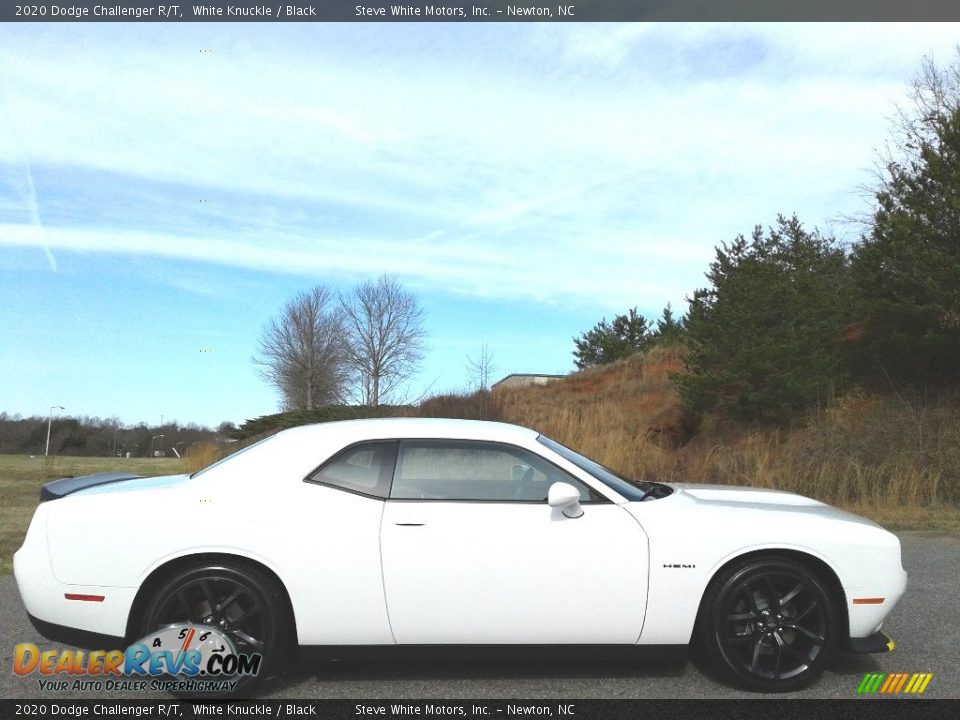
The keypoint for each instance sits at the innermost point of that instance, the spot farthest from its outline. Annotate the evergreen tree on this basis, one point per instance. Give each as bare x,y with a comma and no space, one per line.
607,342
670,331
762,338
907,267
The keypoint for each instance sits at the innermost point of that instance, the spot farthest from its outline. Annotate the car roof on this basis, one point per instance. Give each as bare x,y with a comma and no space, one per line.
390,428
298,450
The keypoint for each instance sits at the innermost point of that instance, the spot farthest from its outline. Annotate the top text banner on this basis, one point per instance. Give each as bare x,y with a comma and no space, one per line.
480,11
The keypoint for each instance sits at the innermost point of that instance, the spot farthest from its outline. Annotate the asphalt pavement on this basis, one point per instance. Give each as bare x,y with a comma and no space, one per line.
924,623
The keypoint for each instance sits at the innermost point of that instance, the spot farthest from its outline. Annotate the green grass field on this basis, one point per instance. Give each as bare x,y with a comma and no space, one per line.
21,477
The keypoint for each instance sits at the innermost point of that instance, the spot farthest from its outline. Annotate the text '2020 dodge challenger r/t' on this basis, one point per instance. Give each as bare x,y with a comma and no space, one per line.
405,533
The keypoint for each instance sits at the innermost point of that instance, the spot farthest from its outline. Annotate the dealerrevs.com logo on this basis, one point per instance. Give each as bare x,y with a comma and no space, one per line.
176,658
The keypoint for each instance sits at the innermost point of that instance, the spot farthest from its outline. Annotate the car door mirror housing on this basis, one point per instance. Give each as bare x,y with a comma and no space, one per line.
566,497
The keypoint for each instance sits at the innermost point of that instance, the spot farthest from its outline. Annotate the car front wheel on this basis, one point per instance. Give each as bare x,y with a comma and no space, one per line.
769,622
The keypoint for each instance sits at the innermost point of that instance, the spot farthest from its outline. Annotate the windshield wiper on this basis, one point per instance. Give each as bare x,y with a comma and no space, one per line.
647,493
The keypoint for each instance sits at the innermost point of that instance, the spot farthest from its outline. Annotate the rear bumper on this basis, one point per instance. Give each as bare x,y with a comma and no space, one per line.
879,642
48,600
78,638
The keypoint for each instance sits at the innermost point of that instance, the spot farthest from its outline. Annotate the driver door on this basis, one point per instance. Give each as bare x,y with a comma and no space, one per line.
472,553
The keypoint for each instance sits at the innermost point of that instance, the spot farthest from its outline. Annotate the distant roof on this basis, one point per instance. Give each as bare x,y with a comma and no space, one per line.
528,375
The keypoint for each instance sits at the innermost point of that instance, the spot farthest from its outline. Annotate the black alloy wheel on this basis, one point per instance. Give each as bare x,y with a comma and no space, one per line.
241,601
770,622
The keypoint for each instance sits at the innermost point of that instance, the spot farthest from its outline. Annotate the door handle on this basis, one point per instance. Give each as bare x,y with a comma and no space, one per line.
410,523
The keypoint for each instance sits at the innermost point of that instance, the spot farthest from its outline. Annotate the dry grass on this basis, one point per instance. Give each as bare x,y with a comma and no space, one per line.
199,456
889,458
21,477
935,520
626,415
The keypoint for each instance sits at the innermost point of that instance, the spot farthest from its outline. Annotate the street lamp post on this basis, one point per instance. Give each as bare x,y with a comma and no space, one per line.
46,452
151,443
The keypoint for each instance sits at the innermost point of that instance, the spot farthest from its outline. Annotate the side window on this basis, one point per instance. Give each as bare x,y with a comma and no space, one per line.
364,469
451,470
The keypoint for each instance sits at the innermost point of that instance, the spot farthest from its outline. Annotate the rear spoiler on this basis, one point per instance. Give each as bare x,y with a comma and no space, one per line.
59,488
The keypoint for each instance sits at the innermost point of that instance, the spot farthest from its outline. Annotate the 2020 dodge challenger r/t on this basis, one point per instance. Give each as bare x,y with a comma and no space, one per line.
404,533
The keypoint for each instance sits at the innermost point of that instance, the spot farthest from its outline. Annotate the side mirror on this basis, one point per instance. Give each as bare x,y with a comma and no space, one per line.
566,497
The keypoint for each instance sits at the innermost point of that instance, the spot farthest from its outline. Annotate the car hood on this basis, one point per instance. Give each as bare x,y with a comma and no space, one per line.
727,497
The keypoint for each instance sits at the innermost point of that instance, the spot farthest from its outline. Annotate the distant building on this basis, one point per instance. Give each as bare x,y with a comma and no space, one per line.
524,379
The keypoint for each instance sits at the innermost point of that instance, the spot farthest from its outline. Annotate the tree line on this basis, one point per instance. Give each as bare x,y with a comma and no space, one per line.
790,317
94,436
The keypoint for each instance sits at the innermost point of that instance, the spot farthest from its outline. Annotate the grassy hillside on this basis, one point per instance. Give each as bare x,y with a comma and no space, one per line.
892,458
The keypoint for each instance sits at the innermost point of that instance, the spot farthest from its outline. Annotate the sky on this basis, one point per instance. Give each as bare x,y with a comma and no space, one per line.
165,189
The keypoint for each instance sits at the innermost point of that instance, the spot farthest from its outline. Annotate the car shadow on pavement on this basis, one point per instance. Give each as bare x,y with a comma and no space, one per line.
417,672
843,664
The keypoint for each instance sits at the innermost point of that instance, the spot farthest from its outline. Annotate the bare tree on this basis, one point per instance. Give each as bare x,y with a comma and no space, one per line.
479,370
302,351
934,99
385,337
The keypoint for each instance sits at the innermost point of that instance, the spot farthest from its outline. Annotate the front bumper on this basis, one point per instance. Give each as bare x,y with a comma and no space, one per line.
879,642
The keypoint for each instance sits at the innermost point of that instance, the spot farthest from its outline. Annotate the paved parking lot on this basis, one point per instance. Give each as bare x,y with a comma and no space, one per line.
924,625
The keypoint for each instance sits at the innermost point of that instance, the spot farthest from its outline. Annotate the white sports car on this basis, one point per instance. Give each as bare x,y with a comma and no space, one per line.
404,533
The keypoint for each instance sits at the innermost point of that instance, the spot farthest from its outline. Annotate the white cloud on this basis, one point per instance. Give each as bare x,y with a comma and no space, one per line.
583,151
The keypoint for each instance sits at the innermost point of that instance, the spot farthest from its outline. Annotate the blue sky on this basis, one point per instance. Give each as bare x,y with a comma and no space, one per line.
523,180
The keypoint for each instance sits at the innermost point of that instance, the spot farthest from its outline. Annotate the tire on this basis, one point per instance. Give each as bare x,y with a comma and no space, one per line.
769,623
253,617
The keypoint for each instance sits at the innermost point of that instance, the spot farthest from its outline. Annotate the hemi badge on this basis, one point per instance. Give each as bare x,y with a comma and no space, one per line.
87,598
868,601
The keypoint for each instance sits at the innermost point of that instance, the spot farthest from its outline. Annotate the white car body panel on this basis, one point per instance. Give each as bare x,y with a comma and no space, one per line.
336,586
499,573
43,594
710,525
475,573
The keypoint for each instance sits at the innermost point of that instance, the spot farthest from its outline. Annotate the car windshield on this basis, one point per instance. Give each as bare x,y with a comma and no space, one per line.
630,489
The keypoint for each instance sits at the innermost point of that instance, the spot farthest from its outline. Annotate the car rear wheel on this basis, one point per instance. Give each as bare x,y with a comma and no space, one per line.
236,599
770,623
